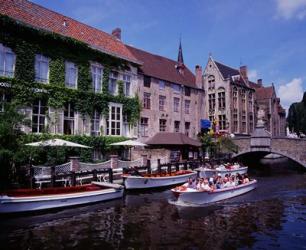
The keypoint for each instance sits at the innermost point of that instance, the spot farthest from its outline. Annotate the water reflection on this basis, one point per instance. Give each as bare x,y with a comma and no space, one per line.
272,216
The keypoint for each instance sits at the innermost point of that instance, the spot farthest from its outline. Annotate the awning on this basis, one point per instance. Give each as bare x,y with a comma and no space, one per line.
166,138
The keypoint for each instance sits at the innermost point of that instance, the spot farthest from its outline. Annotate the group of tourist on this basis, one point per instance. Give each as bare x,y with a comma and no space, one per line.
217,182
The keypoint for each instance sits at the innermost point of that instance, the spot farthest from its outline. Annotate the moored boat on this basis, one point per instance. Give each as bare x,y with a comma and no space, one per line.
197,197
222,170
26,200
157,180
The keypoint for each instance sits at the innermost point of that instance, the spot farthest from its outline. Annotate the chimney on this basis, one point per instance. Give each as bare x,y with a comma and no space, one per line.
198,76
244,72
117,33
259,82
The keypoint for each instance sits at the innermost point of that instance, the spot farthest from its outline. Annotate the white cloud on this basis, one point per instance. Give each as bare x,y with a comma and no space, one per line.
290,92
253,74
288,9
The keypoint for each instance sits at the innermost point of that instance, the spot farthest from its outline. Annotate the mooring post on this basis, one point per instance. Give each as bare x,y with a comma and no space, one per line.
110,175
148,166
73,178
158,166
94,175
52,176
169,168
177,166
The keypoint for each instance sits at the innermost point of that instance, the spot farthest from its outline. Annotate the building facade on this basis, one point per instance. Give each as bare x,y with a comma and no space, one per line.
232,101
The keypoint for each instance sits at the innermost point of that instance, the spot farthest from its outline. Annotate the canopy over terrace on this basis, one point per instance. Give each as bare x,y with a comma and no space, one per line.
175,142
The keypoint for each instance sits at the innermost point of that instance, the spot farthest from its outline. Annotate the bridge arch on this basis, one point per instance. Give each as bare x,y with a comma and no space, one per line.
289,156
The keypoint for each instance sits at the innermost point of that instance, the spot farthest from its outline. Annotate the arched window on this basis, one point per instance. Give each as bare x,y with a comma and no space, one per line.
211,82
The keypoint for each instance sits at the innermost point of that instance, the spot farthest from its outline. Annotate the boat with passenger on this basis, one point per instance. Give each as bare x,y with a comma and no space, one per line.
27,200
156,180
205,192
222,170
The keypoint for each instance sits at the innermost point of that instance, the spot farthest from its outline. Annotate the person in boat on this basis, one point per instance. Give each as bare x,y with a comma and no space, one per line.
203,185
245,179
226,183
219,182
190,183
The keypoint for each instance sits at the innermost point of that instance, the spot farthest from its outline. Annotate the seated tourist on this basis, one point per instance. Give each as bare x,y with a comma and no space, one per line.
245,179
203,185
226,182
190,183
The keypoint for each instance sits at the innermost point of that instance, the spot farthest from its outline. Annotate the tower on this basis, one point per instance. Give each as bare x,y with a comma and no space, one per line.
180,60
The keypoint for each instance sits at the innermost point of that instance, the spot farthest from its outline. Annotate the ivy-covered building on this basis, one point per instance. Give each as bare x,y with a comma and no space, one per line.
67,77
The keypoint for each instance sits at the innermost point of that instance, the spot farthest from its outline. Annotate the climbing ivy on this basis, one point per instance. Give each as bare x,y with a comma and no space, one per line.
26,42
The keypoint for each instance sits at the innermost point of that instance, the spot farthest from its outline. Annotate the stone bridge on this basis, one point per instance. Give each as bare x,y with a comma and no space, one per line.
262,142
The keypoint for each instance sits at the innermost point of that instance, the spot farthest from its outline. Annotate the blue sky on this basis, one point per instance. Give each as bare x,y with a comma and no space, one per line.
269,36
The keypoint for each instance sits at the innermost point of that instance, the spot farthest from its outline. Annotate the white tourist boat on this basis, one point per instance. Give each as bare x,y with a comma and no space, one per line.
196,197
222,170
26,200
157,180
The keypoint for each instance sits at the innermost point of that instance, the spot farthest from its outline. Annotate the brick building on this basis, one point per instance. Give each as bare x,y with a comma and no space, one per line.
232,100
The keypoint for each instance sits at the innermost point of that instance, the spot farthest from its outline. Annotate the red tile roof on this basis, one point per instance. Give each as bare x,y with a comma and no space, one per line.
42,18
254,85
264,92
163,68
167,138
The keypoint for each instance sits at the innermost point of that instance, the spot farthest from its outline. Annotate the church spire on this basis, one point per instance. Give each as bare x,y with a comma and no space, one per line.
180,58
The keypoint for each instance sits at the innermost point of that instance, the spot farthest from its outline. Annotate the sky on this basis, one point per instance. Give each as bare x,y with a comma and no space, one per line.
269,36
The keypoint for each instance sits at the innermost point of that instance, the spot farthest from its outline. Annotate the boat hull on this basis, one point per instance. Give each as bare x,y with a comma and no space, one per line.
192,196
207,173
36,203
138,182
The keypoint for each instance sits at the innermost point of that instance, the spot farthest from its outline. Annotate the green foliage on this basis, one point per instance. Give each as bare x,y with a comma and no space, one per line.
120,88
297,116
226,145
26,42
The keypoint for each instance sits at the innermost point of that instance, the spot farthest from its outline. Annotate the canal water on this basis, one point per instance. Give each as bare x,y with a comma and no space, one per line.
271,217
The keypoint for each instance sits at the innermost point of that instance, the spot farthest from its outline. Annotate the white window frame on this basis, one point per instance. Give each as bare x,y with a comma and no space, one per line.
3,63
110,120
39,59
68,66
127,84
177,129
95,123
187,106
69,118
39,115
113,82
162,103
95,74
144,127
176,105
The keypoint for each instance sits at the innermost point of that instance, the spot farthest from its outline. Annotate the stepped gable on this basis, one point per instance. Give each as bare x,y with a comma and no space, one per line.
39,17
162,68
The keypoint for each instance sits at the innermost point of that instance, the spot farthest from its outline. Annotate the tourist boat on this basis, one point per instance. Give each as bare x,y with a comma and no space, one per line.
157,180
26,200
196,197
222,170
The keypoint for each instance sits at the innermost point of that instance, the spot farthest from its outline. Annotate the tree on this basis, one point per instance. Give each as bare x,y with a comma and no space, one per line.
297,116
10,121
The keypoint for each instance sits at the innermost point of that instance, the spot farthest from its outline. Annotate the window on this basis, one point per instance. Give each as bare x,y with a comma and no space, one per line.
211,82
162,85
144,126
69,119
187,128
162,102
95,123
41,68
251,122
39,116
127,84
243,103
114,121
147,81
250,101
222,122
235,98
146,100
112,84
7,61
211,102
4,98
221,98
176,104
71,75
235,122
187,91
177,126
96,74
211,118
176,88
162,125
187,106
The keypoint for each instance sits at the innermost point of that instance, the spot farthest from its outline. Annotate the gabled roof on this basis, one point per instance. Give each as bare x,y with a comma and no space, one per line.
264,92
254,85
39,17
167,138
162,68
226,71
